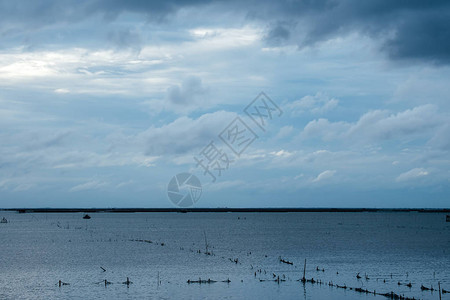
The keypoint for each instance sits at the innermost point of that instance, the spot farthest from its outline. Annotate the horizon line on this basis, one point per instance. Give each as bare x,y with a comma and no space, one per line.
221,209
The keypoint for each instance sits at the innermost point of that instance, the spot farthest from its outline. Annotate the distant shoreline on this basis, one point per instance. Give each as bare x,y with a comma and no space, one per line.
221,210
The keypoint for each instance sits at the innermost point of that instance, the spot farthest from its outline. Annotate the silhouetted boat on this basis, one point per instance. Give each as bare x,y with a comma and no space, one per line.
447,218
86,217
285,261
3,220
424,288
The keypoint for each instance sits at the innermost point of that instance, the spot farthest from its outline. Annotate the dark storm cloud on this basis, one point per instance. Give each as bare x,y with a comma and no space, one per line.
277,34
30,23
427,38
414,29
407,29
66,11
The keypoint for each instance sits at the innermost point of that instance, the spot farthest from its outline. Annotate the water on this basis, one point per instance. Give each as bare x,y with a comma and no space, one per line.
37,250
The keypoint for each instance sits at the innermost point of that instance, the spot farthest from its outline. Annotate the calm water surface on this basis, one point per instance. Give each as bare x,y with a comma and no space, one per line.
37,250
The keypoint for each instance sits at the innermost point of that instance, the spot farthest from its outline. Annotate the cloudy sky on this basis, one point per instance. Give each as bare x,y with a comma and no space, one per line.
103,102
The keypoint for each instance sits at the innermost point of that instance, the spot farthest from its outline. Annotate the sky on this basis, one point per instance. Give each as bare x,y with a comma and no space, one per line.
102,103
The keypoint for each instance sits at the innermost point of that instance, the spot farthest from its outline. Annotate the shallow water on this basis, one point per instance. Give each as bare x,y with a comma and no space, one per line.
37,250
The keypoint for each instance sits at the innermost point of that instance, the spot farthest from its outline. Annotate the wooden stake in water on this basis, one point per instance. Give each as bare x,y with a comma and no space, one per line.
304,272
439,285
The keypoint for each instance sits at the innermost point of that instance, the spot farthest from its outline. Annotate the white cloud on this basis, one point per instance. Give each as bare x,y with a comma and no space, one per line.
414,121
90,185
378,125
82,70
124,183
185,134
324,129
320,103
224,38
324,175
412,174
182,98
62,91
281,153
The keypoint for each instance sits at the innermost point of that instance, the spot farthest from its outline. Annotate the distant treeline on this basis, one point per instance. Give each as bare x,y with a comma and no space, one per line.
225,209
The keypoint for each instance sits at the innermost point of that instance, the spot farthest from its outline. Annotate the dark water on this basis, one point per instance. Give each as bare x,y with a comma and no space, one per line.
37,250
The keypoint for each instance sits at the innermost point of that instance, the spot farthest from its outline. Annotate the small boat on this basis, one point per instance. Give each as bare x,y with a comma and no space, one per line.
447,218
424,288
285,261
86,217
3,220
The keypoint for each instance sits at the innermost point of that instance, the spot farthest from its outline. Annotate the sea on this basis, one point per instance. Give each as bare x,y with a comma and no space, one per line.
217,255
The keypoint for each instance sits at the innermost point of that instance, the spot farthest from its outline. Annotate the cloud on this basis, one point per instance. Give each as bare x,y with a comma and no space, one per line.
423,35
47,12
86,71
281,153
126,38
412,174
414,30
379,125
324,129
40,149
185,134
73,78
405,30
324,175
189,94
277,34
318,104
62,91
90,185
124,183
